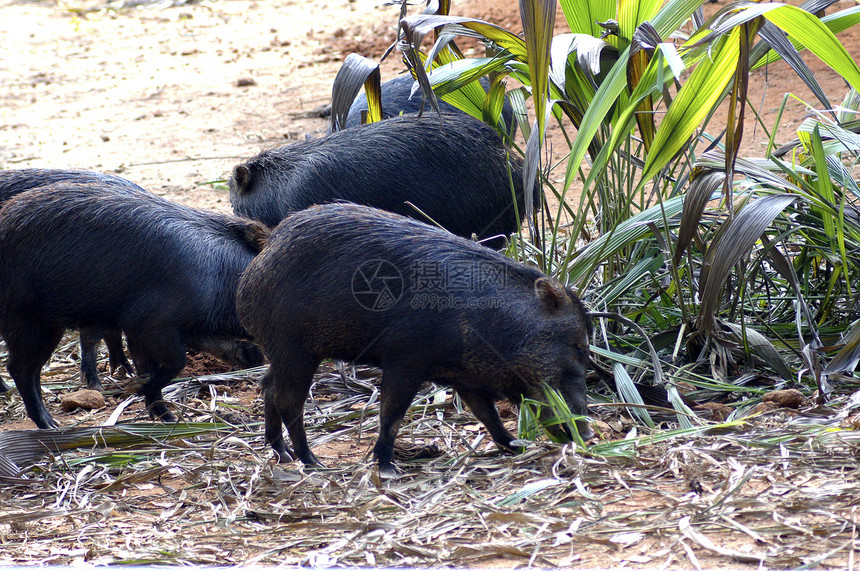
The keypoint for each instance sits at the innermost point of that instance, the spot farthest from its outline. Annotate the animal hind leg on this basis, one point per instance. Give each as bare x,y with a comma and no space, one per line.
30,346
159,356
285,390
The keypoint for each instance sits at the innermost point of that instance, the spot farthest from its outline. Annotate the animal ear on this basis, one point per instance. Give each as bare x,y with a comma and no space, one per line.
241,179
257,234
550,293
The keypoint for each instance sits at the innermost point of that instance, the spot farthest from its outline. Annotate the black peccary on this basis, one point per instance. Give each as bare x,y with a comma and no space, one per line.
397,99
13,182
109,258
451,169
349,282
241,354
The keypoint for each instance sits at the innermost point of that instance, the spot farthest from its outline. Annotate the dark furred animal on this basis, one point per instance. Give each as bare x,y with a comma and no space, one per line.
241,354
348,282
76,256
13,182
397,99
452,170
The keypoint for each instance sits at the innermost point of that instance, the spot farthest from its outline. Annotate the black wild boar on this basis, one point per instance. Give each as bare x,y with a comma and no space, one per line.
354,283
113,258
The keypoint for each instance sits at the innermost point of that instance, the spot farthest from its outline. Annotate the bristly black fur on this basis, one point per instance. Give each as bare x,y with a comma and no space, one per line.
452,171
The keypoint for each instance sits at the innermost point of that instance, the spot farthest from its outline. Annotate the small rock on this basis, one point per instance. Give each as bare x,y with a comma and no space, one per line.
719,411
85,398
684,388
245,82
789,398
851,423
506,410
602,429
763,407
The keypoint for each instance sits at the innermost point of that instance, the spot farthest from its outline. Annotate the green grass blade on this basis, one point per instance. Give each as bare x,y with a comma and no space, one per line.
595,115
538,18
673,15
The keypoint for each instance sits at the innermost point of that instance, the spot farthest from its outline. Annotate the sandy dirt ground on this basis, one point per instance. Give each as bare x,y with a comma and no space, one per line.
173,96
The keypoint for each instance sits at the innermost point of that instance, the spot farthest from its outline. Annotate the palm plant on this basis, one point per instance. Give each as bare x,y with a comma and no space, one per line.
730,263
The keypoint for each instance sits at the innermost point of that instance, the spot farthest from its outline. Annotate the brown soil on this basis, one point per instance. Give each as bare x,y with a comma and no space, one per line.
172,96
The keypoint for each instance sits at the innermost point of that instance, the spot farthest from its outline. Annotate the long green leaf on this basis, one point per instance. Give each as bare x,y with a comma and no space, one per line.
761,346
624,120
19,447
538,18
760,171
582,15
835,138
848,357
673,15
627,391
609,91
356,71
588,51
666,21
836,23
817,38
703,187
694,101
631,230
456,82
425,23
642,270
685,415
776,39
734,241
632,13
835,226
